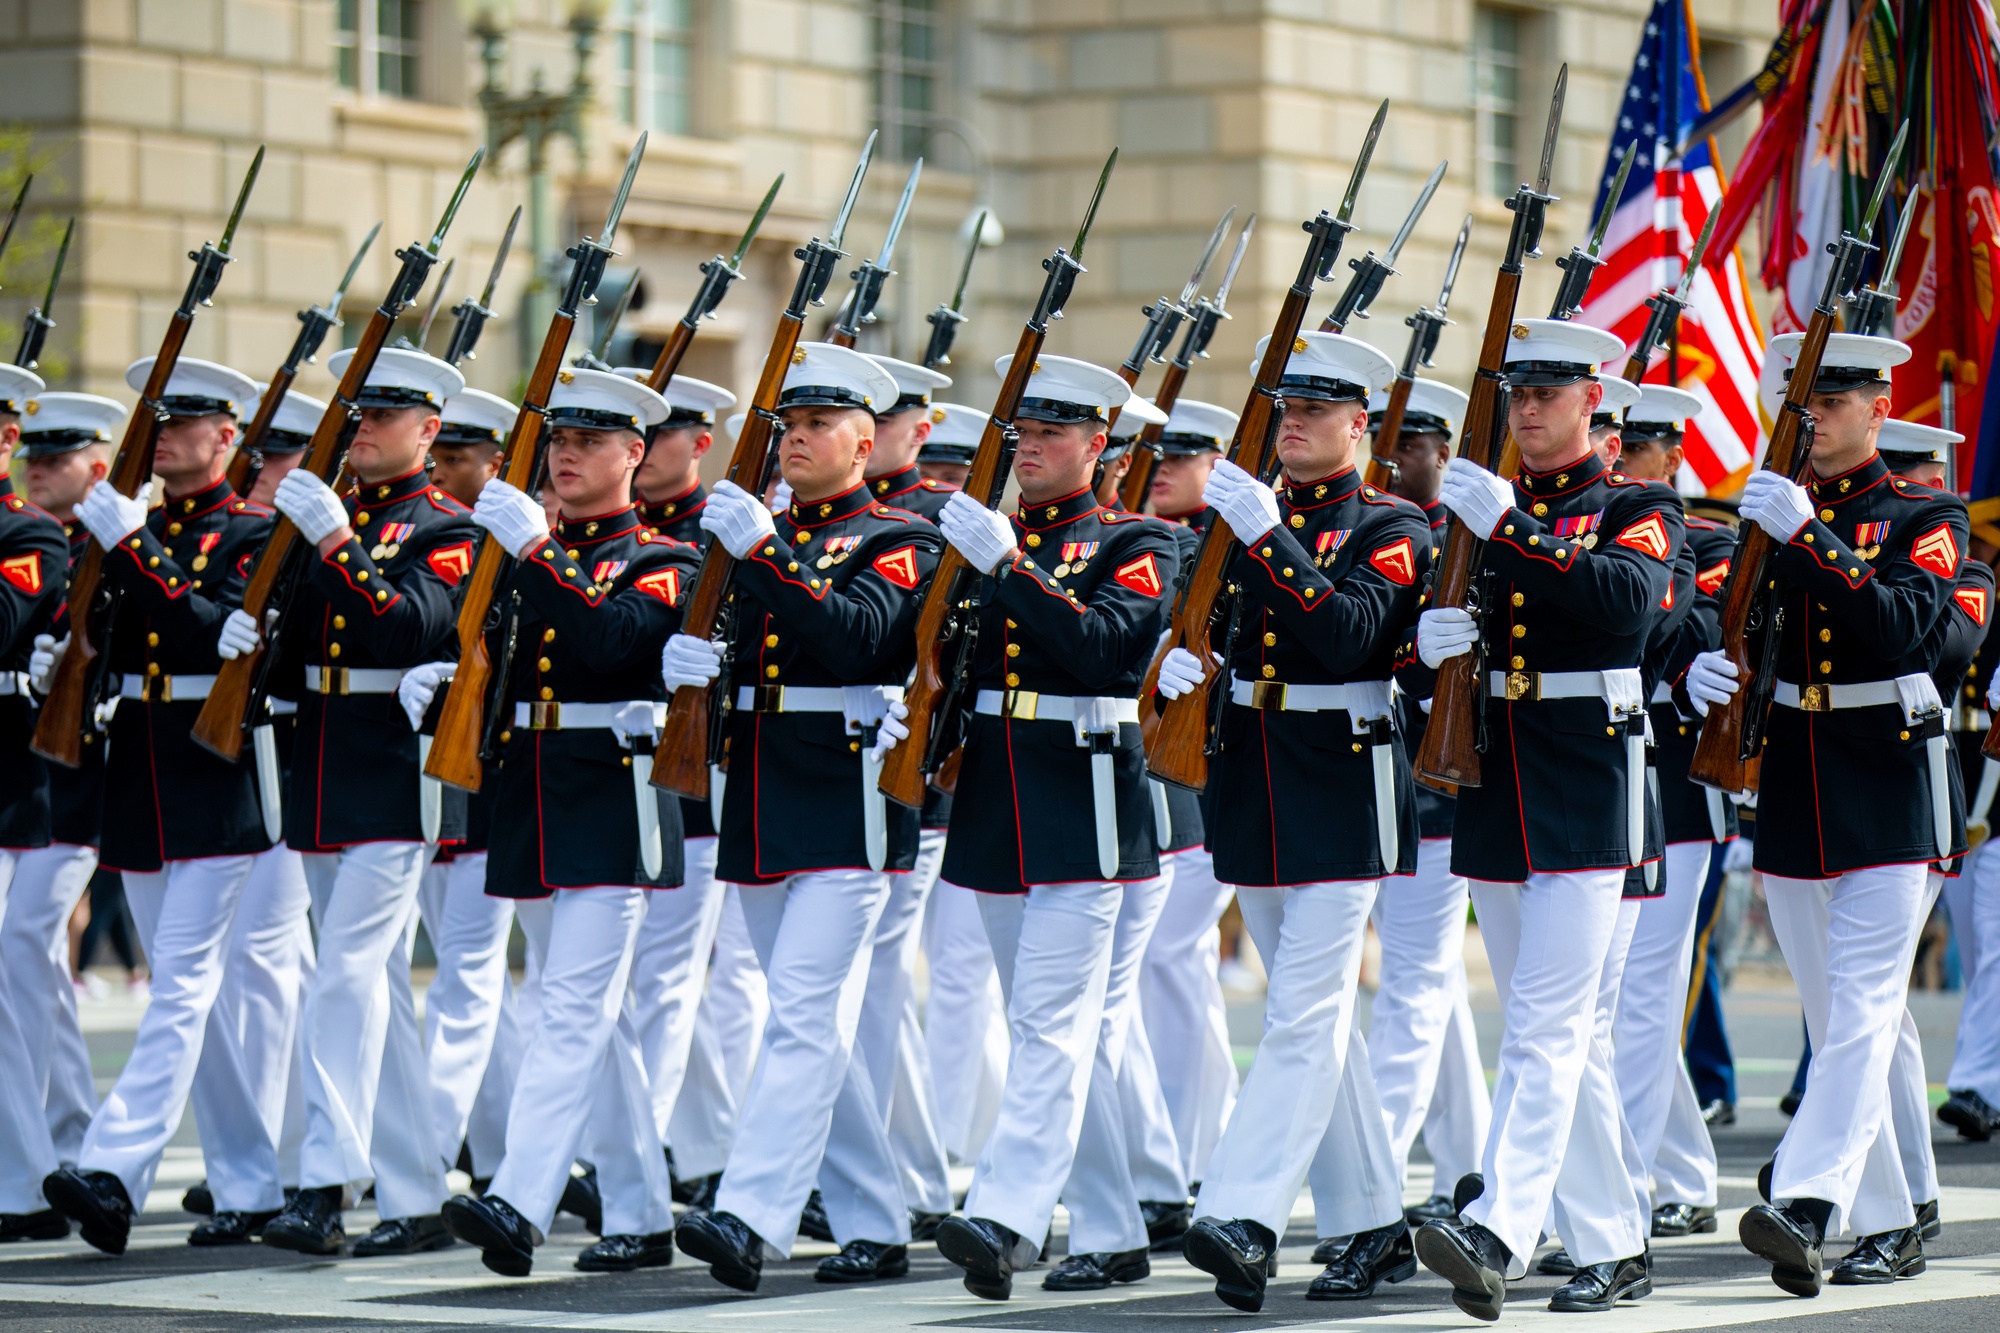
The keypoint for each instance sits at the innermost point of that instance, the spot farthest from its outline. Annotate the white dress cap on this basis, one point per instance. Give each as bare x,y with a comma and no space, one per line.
1196,427
1433,408
955,433
914,383
690,400
57,423
827,375
474,416
1329,366
1663,406
1907,441
292,428
1557,351
1062,389
1619,395
17,386
603,400
198,388
1850,360
402,377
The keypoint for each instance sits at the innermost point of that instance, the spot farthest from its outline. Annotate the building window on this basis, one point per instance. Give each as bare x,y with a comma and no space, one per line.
376,46
909,65
1496,98
652,64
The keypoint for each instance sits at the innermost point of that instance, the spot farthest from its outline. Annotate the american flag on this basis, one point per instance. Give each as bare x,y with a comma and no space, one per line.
1720,350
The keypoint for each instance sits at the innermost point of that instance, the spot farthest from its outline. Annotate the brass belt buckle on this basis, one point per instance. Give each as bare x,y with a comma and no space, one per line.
1021,705
157,690
333,680
767,698
1267,694
1522,685
1815,699
545,716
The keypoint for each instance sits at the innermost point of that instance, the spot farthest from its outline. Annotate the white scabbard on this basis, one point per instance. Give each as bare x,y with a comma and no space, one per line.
717,780
1718,819
874,809
1652,869
430,793
1104,804
1635,797
265,742
1938,750
1163,815
1385,806
651,856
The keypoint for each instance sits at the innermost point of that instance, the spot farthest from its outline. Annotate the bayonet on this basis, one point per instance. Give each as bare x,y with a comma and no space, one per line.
431,310
1164,316
1090,214
609,235
1370,273
1346,214
971,253
1894,259
1427,324
1221,301
36,331
1695,258
1451,268
756,222
1874,310
1853,248
944,320
14,214
1582,261
471,314
1890,161
1207,257
436,241
839,232
1666,306
1549,132
1416,211
888,253
242,198
874,274
500,258
332,306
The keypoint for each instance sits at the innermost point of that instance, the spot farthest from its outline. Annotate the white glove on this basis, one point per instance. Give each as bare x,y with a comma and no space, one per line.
1247,505
1992,693
737,518
1445,633
239,635
516,519
687,660
42,661
781,496
1179,673
635,722
890,730
1477,497
111,517
1776,504
1711,680
980,535
311,505
419,686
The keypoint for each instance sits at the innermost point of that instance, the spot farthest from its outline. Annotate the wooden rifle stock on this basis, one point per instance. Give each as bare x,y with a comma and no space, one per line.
1381,471
244,467
668,363
1146,453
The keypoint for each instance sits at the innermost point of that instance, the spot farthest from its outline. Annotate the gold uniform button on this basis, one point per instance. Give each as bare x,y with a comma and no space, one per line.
1508,530
1357,747
548,636
173,529
792,567
1270,640
1518,599
771,672
333,650
1825,668
340,556
1902,735
770,641
1826,516
573,554
1298,520
1520,631
1611,731
152,639
1534,541
381,492
1266,553
1288,571
152,668
1269,671
1518,662
852,746
1684,730
1541,510
340,622
1034,539
361,519
1012,680
362,576
506,736
547,694
152,562
1013,650
1826,636
802,538
543,664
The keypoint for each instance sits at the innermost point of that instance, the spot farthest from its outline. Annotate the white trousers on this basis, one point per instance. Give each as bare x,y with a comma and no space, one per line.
486,1126
582,1086
468,932
27,1154
1973,899
183,914
1555,1107
1909,1093
1849,942
891,1038
1052,949
1421,1040
1186,1021
669,964
34,972
249,1057
1308,1108
965,1022
728,1033
1125,1148
368,1099
814,934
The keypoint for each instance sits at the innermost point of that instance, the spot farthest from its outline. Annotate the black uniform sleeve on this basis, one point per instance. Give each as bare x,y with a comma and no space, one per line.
1099,640
1620,582
34,580
1891,603
1342,624
410,620
855,630
617,626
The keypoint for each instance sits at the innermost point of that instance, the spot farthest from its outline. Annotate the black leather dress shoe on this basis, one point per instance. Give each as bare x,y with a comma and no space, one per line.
986,1250
1789,1242
813,1222
310,1223
624,1254
1764,1179
1881,1259
96,1201
1469,1187
1556,1263
733,1252
1166,1222
864,1261
1929,1225
1237,1255
404,1235
1970,1114
924,1226
1095,1272
1599,1287
199,1200
47,1224
505,1241
1437,1208
1386,1254
697,1191
1683,1219
231,1228
1789,1103
581,1199
1718,1112
1472,1259
1328,1249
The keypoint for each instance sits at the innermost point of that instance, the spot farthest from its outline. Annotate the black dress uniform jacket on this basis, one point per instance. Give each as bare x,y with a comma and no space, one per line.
918,494
1685,804
1574,579
1187,824
680,519
179,577
1959,637
1329,594
598,602
387,600
830,600
1864,584
76,795
34,579
1077,613
1972,716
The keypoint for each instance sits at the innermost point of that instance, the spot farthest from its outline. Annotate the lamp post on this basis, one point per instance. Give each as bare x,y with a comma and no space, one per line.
538,117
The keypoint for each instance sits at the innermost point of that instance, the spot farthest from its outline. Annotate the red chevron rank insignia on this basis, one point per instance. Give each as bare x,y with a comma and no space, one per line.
451,563
1710,580
1141,575
24,572
664,584
898,566
1972,601
1937,551
1396,562
1649,534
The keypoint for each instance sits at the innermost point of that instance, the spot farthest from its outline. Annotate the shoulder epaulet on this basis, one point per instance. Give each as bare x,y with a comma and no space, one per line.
933,484
900,515
251,509
1117,516
20,506
444,503
1376,496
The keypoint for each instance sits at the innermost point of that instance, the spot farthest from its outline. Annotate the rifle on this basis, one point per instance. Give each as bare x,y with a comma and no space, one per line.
592,358
695,719
35,331
1425,326
874,274
1449,752
716,275
948,619
430,314
462,722
471,315
315,323
1666,306
1203,318
1873,313
1370,273
74,687
1732,734
235,701
1177,745
944,320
